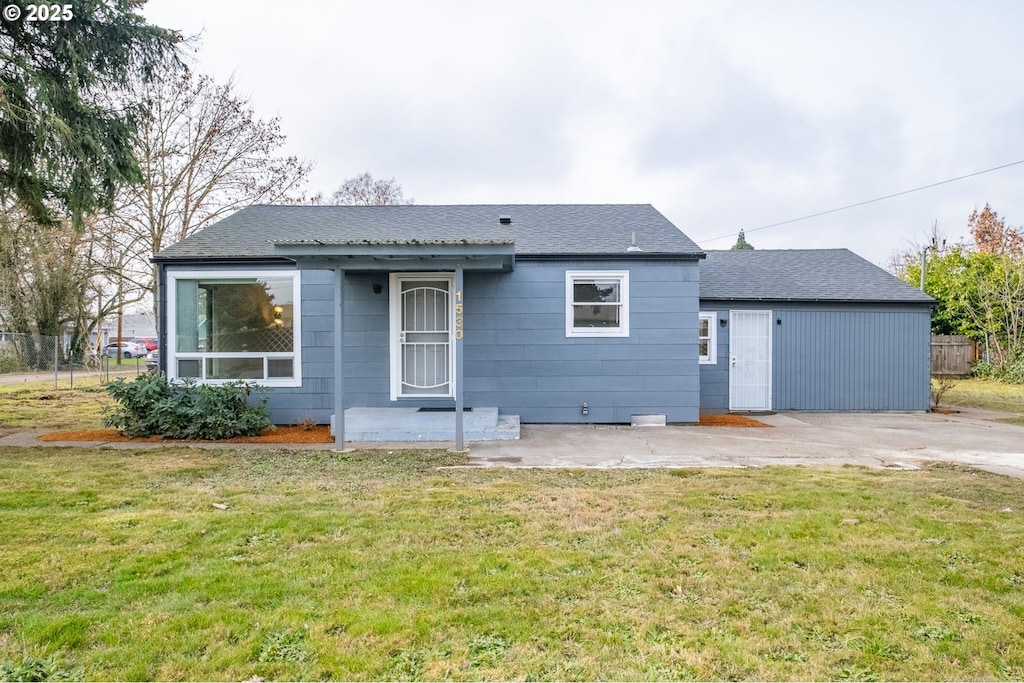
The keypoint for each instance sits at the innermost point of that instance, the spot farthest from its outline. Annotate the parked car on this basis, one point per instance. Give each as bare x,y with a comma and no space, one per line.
153,360
128,350
149,342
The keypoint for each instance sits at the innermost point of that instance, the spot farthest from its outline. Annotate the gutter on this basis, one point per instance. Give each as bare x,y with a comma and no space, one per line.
920,302
614,256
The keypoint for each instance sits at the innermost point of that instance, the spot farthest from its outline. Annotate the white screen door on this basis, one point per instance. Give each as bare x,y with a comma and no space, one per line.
750,360
421,335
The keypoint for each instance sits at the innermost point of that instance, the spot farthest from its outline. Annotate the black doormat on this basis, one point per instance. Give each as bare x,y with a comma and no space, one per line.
443,410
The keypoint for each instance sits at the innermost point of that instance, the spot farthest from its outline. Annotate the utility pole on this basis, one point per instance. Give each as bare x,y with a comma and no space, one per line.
934,246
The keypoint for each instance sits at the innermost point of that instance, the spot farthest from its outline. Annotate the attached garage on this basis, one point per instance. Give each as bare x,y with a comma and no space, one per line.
810,330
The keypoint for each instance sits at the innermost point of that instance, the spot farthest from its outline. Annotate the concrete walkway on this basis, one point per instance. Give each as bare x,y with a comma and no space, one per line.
877,440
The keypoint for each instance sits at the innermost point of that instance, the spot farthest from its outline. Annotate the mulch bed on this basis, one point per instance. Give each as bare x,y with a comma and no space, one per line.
283,434
316,434
729,420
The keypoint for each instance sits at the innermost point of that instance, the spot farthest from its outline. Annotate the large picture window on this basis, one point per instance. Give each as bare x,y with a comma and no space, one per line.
597,303
229,325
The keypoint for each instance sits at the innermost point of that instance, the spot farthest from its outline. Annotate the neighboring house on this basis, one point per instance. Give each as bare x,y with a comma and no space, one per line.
554,313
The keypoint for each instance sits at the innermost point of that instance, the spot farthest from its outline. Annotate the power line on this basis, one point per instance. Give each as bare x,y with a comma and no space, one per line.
869,201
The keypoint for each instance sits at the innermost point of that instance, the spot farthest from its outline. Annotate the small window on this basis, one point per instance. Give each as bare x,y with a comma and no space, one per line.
596,304
706,338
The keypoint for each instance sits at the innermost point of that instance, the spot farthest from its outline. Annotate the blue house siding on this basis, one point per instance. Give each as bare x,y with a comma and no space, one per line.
834,357
518,357
516,354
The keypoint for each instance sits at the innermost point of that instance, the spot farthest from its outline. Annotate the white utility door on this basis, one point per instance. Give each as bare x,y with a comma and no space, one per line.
750,360
421,335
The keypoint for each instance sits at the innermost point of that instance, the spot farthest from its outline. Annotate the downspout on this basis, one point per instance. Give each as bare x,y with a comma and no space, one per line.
161,316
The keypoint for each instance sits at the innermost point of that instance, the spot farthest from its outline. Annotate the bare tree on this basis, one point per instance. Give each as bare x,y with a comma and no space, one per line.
204,155
364,190
50,282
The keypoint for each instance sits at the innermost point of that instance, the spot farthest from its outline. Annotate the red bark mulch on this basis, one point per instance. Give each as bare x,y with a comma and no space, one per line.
283,434
318,433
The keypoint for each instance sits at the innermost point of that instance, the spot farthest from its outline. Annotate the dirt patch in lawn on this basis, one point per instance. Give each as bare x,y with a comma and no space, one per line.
283,434
729,420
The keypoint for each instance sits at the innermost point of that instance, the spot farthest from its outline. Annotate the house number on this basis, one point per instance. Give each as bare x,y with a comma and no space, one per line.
458,315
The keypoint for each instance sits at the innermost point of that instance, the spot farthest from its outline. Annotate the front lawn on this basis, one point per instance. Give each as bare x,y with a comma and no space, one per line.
117,565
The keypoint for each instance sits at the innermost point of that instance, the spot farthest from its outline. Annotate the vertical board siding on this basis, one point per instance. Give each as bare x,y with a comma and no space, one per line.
852,360
517,356
853,357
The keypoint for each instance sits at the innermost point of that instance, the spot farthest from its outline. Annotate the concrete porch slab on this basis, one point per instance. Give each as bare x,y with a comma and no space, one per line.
410,424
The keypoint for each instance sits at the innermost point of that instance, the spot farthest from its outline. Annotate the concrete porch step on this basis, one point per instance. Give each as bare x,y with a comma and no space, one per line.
410,424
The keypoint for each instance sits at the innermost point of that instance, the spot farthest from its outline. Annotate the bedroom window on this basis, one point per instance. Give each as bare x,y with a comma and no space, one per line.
234,325
706,338
596,303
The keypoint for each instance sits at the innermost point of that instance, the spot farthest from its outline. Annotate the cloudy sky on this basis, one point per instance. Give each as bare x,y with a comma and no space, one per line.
724,115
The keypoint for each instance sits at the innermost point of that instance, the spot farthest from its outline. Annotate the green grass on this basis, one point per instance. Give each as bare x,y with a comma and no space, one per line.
990,395
37,405
115,565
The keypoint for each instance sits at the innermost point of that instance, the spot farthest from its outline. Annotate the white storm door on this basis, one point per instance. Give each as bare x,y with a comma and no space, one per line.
421,335
750,360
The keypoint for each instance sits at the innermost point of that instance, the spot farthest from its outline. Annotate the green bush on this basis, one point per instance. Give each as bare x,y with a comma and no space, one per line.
1014,372
1011,373
152,406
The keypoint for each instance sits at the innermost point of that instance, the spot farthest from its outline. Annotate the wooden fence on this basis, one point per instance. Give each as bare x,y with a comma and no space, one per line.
952,355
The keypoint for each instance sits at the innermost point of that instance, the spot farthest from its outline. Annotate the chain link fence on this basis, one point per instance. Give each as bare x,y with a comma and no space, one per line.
38,358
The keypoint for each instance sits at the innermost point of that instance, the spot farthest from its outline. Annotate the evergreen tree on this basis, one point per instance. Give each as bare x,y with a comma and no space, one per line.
742,243
64,149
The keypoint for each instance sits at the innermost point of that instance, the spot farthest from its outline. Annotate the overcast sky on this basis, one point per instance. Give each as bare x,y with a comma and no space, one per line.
723,115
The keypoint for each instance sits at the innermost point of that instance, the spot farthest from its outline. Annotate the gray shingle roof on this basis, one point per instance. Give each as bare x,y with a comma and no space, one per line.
800,275
537,229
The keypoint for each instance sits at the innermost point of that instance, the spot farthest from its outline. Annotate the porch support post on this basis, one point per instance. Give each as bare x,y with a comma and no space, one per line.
459,404
339,367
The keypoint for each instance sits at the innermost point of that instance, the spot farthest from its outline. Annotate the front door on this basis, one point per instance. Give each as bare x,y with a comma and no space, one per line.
421,335
750,360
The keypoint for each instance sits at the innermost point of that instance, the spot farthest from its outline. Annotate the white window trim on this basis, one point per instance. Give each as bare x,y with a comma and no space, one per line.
712,357
623,329
395,310
172,356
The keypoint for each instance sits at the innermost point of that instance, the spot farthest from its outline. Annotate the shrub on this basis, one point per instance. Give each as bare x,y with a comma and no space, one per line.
940,386
150,405
1012,373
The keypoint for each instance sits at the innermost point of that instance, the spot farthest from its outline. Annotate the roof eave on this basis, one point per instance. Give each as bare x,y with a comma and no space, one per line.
776,299
614,256
216,260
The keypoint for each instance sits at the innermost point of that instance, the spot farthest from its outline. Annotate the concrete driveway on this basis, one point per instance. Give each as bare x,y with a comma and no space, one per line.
882,440
893,440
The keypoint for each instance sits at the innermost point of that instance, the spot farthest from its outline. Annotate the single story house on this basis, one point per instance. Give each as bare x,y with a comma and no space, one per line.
552,313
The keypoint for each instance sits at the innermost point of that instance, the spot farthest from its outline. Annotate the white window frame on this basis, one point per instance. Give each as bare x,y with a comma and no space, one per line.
623,329
172,356
712,356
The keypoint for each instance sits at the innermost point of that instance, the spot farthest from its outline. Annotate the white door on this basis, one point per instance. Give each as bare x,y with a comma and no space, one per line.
750,360
421,335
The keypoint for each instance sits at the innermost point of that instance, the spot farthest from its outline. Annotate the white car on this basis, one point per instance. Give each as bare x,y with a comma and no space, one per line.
128,350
